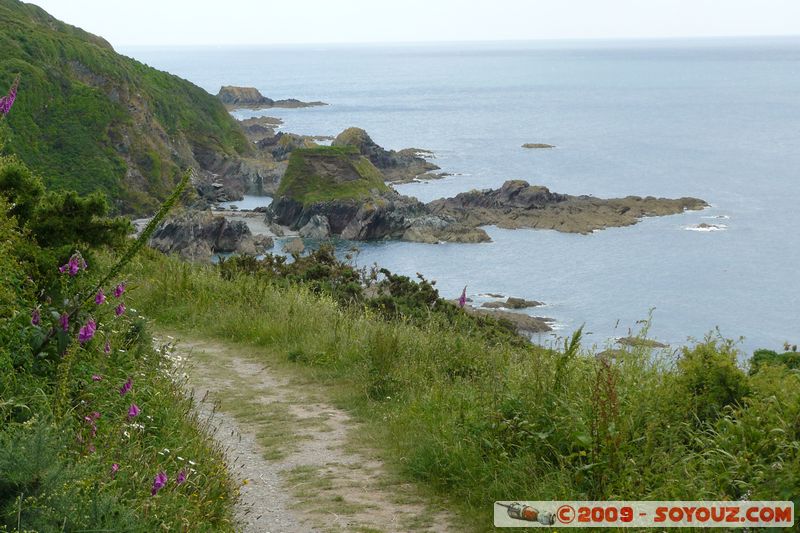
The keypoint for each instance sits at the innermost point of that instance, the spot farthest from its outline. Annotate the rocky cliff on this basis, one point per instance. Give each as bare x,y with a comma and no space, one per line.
518,204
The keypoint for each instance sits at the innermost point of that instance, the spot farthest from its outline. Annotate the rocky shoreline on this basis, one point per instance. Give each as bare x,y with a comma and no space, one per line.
517,204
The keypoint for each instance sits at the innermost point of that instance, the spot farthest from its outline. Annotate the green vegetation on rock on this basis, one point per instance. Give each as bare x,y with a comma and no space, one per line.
89,119
327,173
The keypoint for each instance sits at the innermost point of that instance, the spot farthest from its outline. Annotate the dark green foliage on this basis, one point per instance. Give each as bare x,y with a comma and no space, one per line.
87,117
709,379
320,271
763,358
64,218
21,188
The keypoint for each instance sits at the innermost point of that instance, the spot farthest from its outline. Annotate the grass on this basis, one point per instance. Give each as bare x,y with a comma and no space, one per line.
307,181
480,420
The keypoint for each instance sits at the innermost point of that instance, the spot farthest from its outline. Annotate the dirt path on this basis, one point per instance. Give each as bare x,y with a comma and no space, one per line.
301,462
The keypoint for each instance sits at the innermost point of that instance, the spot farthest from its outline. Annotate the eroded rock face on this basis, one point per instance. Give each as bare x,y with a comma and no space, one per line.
316,228
197,235
396,166
517,204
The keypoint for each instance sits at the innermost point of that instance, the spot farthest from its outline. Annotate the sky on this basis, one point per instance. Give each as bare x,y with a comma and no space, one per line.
242,22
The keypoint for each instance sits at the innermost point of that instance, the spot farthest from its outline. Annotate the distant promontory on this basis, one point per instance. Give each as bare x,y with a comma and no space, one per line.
251,98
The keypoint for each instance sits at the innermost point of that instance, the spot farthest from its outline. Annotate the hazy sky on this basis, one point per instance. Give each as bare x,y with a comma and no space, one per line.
335,21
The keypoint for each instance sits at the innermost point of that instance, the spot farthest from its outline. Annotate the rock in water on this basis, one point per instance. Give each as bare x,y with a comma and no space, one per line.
251,98
294,246
517,204
538,145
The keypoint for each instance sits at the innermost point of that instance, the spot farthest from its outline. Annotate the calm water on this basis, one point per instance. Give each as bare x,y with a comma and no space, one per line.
716,119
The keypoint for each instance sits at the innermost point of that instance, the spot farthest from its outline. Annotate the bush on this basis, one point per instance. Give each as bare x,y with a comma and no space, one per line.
709,379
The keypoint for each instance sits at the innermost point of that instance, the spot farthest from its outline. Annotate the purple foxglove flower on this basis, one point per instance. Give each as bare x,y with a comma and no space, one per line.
120,309
100,298
158,483
7,101
36,317
114,470
462,301
64,321
125,389
107,348
133,411
86,333
119,290
96,377
181,477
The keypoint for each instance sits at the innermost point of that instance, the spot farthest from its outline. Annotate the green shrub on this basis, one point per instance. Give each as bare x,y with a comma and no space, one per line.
762,358
709,380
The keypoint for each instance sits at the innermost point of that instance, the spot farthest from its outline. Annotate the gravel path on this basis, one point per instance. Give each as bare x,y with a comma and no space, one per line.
299,459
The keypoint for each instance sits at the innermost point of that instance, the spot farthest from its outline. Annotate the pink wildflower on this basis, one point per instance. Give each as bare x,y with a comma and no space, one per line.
100,298
120,309
462,301
74,265
133,411
86,333
119,290
36,318
114,470
96,377
158,483
64,321
107,348
125,389
181,477
7,101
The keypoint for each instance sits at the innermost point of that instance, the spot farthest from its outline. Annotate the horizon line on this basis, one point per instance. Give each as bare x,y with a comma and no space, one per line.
473,41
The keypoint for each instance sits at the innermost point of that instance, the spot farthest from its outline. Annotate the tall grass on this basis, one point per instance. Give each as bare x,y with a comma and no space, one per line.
484,421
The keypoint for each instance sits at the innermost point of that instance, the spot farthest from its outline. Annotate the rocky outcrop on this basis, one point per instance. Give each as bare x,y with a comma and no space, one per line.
294,246
396,166
524,324
259,128
197,235
518,204
250,98
339,187
512,303
538,146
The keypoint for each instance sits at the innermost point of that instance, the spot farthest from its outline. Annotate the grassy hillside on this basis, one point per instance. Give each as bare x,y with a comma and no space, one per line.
87,118
480,417
310,176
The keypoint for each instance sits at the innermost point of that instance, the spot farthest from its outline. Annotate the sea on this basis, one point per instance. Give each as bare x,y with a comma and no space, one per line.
717,119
